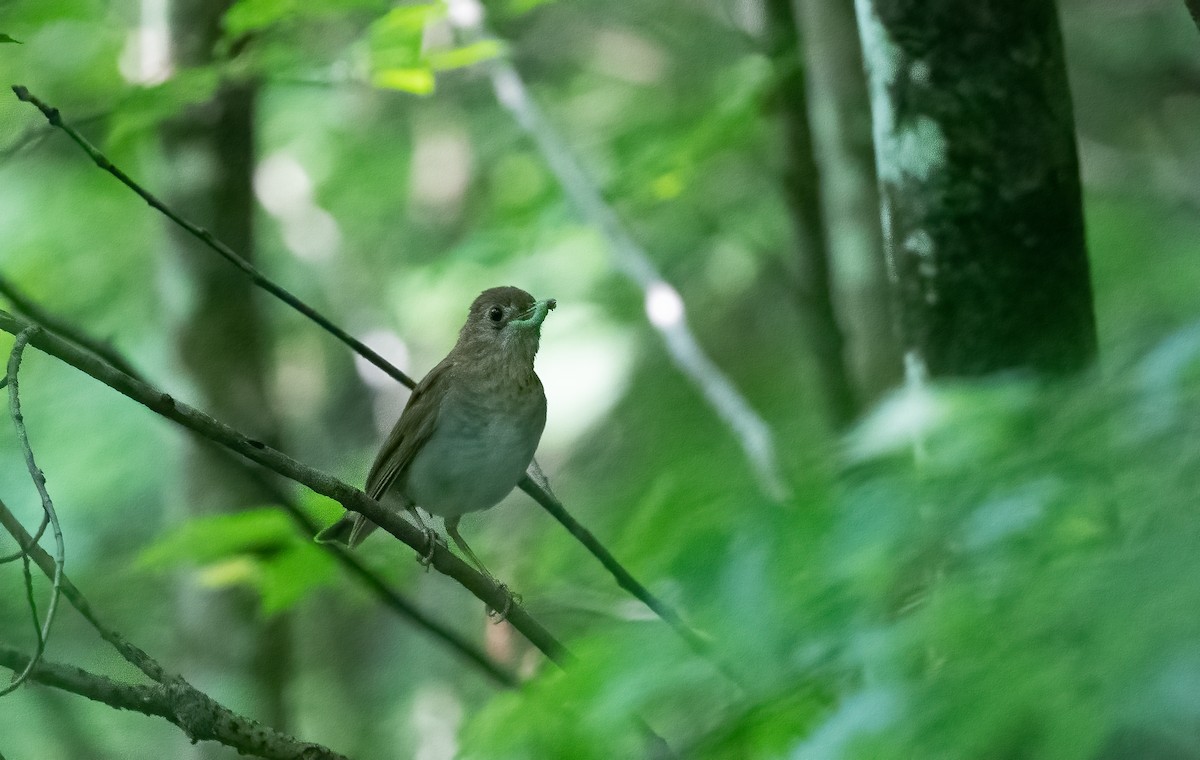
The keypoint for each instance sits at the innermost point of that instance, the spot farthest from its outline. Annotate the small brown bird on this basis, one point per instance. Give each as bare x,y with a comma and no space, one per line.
470,428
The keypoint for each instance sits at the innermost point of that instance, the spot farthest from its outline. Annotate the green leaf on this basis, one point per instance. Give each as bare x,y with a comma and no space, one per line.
5,38
146,108
321,509
468,55
252,15
394,40
256,548
395,46
407,19
419,81
205,540
288,577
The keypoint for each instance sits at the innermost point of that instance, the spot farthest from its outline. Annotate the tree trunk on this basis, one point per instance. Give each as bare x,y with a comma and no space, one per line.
802,187
224,350
979,183
840,121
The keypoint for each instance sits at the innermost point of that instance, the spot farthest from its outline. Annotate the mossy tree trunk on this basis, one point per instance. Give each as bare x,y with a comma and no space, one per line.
838,111
979,184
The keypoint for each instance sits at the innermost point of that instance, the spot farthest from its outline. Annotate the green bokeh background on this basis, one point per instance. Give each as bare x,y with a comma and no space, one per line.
1013,574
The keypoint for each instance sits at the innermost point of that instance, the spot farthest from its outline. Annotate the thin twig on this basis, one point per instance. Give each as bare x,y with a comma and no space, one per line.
482,587
26,306
55,118
31,600
39,481
529,486
626,581
199,716
37,536
390,598
35,133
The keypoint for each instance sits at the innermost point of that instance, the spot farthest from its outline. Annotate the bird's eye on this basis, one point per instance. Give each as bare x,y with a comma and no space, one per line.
496,314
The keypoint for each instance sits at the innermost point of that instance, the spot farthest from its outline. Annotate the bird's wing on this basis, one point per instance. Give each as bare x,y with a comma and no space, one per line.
416,424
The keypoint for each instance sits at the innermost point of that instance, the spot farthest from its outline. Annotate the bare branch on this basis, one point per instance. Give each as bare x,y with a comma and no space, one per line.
528,485
200,717
39,481
351,498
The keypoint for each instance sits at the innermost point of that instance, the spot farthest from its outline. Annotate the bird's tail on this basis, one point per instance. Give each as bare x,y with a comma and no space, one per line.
349,531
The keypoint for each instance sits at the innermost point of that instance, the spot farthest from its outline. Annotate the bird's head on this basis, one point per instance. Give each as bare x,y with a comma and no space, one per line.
505,322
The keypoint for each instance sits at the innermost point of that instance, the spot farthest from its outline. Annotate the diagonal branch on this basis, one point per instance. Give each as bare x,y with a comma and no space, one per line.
173,698
55,118
491,594
26,306
199,716
390,598
625,579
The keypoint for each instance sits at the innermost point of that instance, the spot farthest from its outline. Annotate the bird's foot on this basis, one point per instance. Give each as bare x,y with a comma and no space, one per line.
431,540
509,599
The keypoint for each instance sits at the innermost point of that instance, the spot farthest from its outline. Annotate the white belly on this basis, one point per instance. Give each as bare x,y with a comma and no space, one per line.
471,464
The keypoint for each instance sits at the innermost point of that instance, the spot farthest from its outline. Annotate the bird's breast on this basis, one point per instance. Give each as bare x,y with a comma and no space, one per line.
479,450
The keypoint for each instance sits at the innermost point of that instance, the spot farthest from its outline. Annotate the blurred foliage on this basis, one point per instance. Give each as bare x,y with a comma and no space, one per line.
994,570
259,548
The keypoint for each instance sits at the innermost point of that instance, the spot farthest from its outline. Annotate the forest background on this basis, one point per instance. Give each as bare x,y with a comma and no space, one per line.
872,555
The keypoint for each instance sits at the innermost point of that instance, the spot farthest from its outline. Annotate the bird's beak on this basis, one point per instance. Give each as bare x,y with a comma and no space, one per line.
537,314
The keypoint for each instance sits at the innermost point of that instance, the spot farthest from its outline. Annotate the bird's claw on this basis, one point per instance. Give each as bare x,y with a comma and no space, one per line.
431,540
509,599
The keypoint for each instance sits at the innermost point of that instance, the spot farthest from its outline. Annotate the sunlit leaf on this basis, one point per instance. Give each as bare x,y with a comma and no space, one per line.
395,38
468,55
236,571
419,81
407,19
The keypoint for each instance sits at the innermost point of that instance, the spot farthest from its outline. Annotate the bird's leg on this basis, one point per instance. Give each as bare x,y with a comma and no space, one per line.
452,530
431,538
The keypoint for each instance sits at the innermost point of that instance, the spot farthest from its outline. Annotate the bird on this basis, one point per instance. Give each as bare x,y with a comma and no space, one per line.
470,428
